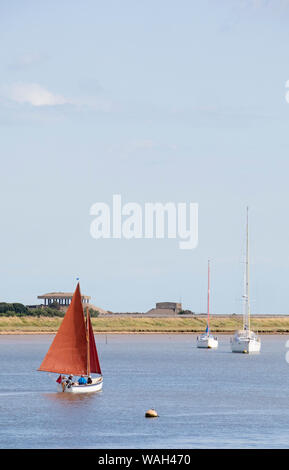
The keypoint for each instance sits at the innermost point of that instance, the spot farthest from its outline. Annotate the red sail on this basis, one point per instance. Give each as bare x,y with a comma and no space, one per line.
68,351
94,361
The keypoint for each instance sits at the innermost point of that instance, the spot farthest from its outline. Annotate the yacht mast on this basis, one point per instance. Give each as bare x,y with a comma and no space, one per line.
247,286
208,307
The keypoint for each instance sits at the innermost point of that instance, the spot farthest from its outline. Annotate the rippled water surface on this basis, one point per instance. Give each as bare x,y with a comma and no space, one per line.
205,398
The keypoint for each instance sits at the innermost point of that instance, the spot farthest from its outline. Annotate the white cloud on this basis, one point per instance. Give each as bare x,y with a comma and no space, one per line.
36,95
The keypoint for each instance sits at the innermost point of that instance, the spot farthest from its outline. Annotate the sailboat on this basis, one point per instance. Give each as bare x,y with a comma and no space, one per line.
206,340
245,340
73,351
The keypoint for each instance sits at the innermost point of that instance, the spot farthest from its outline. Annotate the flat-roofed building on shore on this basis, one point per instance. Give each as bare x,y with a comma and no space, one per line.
63,299
165,309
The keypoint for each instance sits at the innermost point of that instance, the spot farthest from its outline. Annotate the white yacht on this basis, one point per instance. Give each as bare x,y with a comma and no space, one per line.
206,340
245,340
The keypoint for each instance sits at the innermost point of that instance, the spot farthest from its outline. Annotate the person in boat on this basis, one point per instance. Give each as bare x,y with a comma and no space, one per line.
69,381
64,382
82,380
89,379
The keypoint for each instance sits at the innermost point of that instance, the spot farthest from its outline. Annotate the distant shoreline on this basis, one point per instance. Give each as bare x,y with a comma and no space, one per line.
223,333
179,324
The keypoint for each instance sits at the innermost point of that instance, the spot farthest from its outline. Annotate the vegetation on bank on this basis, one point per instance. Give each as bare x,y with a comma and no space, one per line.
20,310
178,324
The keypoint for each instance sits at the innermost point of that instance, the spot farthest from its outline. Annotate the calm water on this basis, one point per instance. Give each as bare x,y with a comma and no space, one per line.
205,399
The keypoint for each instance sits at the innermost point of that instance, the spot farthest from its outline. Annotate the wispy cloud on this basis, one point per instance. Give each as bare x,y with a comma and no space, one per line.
28,60
240,11
261,3
36,95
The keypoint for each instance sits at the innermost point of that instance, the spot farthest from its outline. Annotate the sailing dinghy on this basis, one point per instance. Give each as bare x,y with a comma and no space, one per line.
73,350
206,340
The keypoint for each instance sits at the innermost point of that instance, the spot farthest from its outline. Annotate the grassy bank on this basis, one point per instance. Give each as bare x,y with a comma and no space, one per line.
125,324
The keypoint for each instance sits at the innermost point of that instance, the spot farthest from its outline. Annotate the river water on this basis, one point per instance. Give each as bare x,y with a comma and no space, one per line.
204,398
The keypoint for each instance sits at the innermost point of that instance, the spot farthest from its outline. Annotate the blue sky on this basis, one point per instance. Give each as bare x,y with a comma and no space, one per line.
156,101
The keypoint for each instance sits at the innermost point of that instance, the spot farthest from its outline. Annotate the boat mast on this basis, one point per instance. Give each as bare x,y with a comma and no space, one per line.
88,341
208,305
247,287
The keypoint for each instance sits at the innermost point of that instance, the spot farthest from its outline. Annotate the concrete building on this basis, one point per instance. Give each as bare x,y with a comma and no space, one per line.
177,307
64,300
165,309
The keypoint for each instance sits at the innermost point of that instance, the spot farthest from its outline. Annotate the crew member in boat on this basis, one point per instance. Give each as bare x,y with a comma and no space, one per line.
89,379
69,381
63,382
82,380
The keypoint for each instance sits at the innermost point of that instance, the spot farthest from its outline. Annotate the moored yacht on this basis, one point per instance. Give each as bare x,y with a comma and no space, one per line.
245,340
207,340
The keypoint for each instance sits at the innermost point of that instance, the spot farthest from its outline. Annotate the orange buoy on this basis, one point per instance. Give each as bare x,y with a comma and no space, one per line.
151,414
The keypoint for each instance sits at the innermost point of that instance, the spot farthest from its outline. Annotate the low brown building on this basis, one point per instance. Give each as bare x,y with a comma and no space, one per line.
166,308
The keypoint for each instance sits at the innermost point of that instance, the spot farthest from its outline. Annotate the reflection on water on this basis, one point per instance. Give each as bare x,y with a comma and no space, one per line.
23,392
60,397
204,398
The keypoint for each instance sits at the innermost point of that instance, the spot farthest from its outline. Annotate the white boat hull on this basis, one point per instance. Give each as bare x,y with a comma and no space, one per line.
207,342
96,386
246,344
